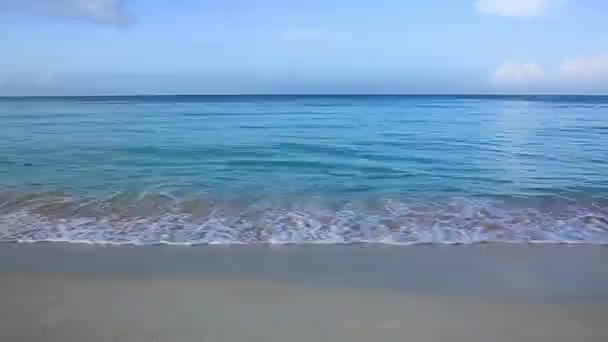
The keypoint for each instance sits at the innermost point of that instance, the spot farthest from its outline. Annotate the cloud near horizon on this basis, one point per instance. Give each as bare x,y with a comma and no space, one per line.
590,68
514,8
571,72
516,73
104,12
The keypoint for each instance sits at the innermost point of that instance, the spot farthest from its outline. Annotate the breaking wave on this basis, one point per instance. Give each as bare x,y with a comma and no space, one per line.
186,219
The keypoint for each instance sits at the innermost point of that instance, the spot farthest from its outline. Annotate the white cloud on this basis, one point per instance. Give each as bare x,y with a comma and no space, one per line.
514,8
585,74
593,68
519,73
107,12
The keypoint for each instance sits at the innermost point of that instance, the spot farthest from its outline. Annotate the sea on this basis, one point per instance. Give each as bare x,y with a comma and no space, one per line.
403,170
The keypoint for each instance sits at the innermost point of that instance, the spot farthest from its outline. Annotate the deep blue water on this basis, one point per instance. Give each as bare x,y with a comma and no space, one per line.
394,169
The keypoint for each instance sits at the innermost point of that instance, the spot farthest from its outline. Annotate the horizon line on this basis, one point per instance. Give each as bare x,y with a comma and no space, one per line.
296,94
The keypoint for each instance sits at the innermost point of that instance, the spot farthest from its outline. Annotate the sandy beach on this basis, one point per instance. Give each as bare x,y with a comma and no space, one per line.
60,292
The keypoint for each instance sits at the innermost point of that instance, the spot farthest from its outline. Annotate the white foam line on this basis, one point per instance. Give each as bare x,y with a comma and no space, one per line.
320,242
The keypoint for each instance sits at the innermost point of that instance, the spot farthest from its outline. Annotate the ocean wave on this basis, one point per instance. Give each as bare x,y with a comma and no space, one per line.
164,218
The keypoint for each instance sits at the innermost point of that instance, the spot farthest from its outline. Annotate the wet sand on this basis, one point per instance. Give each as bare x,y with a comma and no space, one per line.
58,292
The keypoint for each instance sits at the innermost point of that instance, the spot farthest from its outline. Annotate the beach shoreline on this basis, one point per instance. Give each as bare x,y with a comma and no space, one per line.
498,292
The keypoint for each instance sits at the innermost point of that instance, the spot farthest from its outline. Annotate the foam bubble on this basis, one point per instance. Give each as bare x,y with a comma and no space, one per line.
162,219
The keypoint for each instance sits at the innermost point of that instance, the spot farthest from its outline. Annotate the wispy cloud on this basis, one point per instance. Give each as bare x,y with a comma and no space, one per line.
105,12
516,73
31,81
38,77
589,68
579,74
515,8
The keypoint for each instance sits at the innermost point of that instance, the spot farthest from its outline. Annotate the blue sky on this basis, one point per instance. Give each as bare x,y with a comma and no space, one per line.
95,47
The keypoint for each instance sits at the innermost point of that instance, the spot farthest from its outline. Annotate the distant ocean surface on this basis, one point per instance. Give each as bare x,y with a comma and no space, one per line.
304,169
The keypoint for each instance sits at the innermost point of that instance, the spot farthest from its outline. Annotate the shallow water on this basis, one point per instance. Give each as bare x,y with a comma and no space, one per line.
331,169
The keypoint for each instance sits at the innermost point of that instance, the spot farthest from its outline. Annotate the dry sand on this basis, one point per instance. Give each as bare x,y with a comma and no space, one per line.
75,293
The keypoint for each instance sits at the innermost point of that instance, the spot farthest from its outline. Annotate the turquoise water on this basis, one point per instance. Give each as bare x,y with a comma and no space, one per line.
333,169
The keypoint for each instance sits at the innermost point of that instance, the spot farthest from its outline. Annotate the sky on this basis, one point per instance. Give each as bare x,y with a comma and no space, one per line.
112,47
